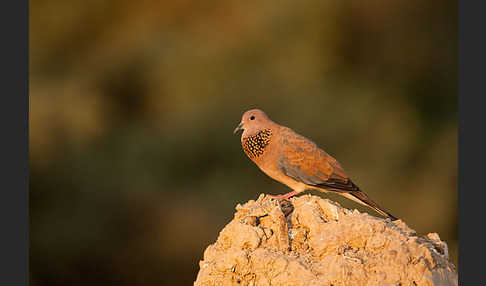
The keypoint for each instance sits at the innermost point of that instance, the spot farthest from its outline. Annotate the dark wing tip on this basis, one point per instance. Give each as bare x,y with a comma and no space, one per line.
339,185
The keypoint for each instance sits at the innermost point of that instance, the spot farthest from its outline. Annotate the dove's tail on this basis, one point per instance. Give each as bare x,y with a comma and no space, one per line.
353,192
362,198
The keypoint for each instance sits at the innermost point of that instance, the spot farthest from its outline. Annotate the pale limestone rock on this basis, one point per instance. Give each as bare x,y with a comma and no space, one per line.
314,241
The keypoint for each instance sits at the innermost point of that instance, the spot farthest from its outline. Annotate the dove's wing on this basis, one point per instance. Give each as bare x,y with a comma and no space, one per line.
302,160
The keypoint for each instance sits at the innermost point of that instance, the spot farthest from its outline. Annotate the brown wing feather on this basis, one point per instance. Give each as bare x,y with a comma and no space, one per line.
303,160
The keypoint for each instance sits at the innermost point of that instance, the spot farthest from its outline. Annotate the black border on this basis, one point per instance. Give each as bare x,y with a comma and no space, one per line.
471,63
14,219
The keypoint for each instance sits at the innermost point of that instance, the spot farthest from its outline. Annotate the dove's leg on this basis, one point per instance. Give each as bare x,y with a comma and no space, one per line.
285,196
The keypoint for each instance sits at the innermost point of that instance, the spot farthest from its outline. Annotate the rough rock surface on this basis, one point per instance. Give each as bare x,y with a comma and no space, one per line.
313,241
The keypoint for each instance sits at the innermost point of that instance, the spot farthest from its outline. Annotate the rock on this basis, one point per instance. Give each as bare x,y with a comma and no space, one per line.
313,241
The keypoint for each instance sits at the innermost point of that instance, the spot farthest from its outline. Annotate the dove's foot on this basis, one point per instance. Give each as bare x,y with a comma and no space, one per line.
285,196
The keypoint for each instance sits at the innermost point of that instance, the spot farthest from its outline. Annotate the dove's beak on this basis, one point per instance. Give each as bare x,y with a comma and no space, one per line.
238,128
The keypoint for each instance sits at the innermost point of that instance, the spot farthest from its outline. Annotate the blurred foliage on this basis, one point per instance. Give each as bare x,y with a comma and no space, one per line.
134,168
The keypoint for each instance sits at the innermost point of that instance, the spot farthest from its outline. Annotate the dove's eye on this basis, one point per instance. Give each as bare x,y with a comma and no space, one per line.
252,117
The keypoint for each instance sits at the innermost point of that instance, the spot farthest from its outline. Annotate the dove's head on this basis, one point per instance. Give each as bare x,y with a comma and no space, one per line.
253,121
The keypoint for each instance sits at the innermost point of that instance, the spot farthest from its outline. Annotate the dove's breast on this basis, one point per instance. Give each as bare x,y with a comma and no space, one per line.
262,149
256,145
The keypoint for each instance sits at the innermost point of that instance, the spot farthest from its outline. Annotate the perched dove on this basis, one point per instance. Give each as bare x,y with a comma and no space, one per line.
296,161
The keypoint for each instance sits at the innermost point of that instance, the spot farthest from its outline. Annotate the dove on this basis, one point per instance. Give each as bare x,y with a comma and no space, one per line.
296,161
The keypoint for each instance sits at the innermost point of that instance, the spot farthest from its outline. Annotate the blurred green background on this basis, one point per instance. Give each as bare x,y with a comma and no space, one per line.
134,169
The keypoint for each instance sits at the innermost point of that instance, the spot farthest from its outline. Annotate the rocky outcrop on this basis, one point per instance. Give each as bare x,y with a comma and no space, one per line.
308,240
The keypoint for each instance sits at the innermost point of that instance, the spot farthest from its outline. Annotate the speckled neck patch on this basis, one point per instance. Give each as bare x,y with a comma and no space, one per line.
254,146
